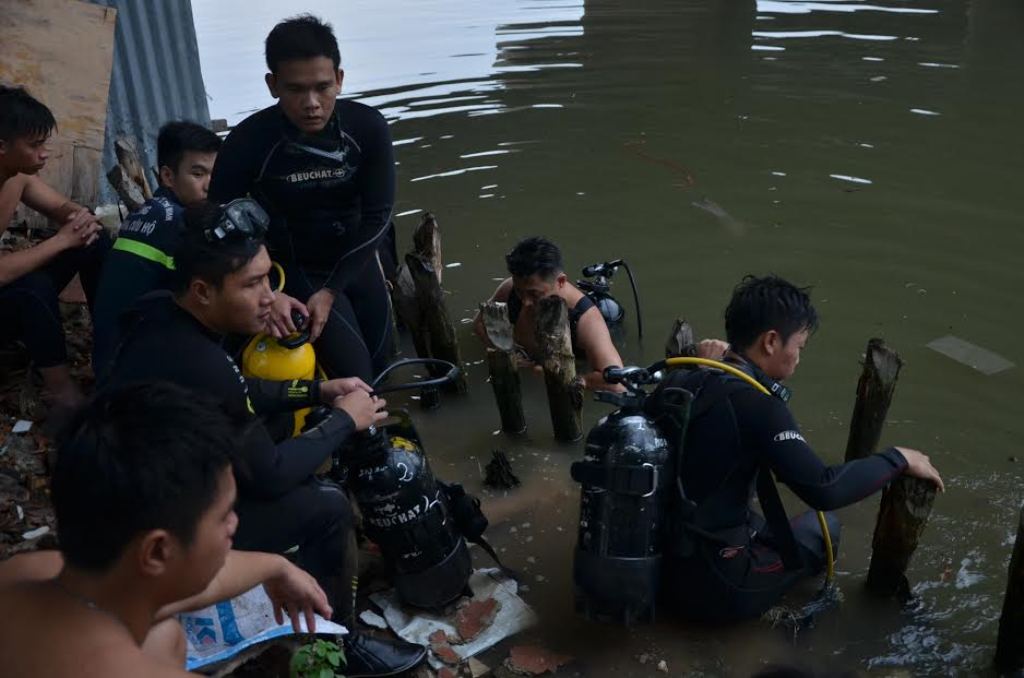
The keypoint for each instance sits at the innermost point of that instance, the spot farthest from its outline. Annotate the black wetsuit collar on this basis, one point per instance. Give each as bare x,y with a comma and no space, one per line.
774,387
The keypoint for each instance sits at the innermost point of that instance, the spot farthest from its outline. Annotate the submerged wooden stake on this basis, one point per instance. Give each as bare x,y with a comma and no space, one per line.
437,332
565,389
501,364
681,341
874,395
907,502
1010,645
902,516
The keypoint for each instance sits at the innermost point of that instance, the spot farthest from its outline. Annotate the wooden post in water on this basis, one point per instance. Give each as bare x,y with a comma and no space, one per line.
680,342
1010,645
565,389
874,395
906,502
905,507
437,331
501,364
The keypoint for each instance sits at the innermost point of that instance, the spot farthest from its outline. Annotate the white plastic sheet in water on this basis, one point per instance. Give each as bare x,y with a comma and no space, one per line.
220,632
969,354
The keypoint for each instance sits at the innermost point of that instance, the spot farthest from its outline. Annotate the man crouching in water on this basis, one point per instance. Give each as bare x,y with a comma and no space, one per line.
144,497
535,265
727,562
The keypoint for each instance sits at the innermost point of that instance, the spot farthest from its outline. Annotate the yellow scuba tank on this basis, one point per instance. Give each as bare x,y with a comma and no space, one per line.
285,359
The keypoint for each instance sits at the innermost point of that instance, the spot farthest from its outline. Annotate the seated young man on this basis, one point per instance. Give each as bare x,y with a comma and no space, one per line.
144,498
537,272
221,287
142,257
727,562
32,278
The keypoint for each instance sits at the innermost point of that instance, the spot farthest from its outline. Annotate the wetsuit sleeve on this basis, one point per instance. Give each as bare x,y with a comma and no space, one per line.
375,183
237,166
768,428
270,397
266,470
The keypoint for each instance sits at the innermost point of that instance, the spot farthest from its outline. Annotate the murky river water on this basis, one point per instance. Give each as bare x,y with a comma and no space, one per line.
870,149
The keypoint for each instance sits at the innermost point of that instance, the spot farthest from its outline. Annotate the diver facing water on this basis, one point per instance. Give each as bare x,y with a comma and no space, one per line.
725,562
323,168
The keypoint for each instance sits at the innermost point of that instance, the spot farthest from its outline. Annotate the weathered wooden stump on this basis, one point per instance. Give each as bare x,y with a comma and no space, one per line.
128,176
437,330
1010,644
902,516
874,395
907,502
565,389
501,365
681,342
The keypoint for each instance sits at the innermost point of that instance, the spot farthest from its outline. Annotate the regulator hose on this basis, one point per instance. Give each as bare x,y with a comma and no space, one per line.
448,377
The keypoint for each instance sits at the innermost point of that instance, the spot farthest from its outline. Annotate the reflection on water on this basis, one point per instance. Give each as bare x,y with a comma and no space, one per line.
870,149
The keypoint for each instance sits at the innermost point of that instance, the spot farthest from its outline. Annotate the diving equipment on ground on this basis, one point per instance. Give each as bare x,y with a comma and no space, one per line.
420,523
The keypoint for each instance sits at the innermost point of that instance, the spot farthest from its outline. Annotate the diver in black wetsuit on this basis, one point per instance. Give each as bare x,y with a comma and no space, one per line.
323,168
220,287
727,562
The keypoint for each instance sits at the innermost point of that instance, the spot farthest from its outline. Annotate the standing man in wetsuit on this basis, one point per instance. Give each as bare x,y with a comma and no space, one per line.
221,287
143,254
323,168
535,265
727,562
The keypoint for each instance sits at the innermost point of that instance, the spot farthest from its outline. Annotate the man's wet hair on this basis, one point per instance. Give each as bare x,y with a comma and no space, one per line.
181,137
768,303
534,256
143,457
21,115
209,260
301,37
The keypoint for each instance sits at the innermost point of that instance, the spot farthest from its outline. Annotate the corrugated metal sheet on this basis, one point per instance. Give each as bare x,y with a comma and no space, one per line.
155,78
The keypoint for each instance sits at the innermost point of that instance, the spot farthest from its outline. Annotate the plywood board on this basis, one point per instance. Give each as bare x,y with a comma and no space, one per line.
61,51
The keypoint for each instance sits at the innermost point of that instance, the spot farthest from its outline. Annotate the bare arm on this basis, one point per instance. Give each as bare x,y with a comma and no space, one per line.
289,588
500,294
595,340
78,227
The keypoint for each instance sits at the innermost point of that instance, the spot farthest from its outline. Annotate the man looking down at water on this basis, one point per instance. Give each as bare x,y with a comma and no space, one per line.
144,500
323,168
535,265
31,279
143,254
221,287
726,562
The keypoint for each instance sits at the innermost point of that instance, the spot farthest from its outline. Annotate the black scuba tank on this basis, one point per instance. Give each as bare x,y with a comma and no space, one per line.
419,523
406,513
626,474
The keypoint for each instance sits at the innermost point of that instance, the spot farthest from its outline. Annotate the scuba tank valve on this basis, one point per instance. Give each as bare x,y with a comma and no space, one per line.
599,291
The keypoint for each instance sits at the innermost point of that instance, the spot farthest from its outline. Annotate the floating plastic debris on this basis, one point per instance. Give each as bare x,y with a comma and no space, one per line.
969,354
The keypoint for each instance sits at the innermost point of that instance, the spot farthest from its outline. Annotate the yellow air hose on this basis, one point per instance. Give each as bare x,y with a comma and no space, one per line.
725,367
280,272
